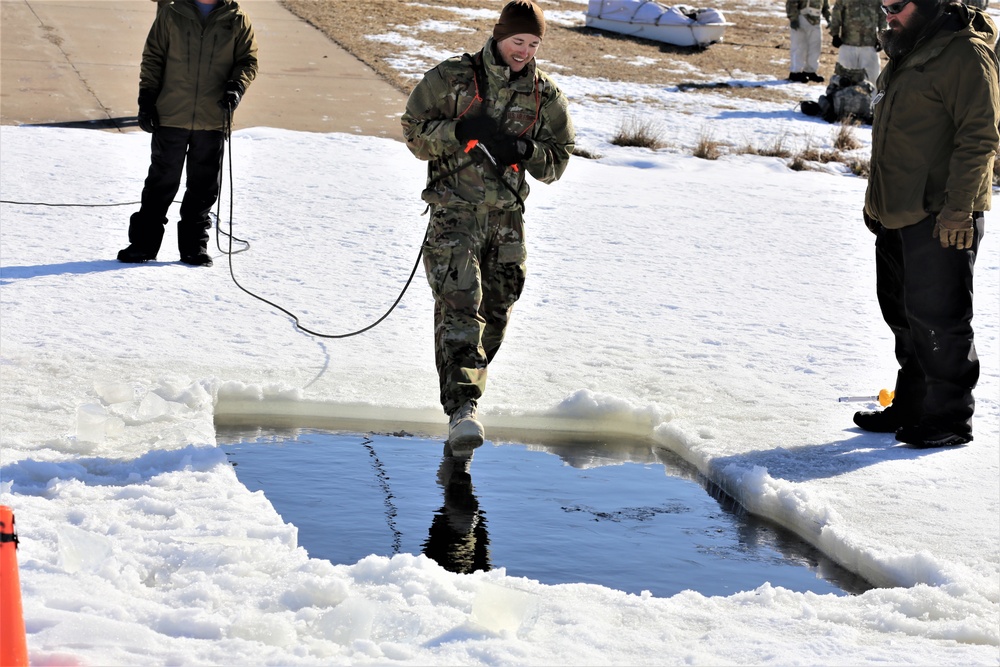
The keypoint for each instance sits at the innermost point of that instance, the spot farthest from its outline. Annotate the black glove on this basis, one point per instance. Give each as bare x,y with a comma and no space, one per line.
231,98
480,128
871,223
878,46
837,42
508,149
794,24
149,119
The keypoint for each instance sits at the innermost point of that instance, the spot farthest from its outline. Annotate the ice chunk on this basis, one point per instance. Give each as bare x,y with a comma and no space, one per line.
114,392
503,610
152,407
91,422
350,620
80,550
94,424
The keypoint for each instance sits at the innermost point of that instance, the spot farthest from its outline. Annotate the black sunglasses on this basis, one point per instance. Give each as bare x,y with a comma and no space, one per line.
896,7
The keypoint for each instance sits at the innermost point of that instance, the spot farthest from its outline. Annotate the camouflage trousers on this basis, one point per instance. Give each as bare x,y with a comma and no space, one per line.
474,258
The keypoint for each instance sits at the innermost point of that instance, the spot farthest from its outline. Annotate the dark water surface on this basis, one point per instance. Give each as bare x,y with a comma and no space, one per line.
631,518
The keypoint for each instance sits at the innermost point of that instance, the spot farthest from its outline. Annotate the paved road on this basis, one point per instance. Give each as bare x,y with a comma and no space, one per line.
75,63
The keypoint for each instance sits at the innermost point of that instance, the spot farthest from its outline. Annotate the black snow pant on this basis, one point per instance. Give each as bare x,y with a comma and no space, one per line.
171,146
925,293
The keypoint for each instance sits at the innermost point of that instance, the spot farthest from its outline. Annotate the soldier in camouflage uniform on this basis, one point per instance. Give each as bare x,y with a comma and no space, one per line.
806,38
854,27
483,122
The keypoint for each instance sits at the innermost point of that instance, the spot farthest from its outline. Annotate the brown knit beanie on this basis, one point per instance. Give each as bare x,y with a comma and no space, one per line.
519,17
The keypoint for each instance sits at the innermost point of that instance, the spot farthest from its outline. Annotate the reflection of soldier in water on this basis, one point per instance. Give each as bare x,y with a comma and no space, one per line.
457,539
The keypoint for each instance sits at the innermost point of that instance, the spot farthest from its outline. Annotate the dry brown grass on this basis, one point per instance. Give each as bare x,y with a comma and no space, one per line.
639,132
844,138
757,46
708,147
858,166
776,148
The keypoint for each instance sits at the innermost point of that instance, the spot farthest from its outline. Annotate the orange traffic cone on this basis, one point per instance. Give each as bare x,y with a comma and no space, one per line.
13,643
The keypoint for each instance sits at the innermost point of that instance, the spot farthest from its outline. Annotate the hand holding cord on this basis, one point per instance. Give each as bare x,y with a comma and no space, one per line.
232,96
509,149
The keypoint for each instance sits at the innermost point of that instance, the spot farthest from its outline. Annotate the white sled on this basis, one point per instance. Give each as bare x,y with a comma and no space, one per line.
678,25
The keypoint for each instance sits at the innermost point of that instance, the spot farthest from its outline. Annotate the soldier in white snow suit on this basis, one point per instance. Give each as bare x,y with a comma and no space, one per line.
807,38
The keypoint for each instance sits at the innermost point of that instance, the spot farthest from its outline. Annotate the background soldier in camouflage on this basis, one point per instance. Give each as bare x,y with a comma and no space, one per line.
854,27
483,122
806,37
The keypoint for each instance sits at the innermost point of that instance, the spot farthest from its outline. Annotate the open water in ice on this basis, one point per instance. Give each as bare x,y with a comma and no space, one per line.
632,518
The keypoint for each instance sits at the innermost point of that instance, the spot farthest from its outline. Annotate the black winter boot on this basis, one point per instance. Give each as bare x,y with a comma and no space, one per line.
198,259
926,436
889,420
192,241
144,236
135,255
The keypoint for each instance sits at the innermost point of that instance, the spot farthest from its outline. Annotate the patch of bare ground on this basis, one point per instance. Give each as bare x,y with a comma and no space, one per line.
754,50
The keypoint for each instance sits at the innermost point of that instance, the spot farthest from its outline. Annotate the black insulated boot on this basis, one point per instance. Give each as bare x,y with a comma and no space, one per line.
198,259
135,255
926,436
889,420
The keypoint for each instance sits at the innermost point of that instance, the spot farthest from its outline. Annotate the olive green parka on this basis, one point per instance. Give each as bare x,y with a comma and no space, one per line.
935,128
529,106
188,63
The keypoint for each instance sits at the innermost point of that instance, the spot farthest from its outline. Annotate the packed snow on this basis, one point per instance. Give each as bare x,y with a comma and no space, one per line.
719,308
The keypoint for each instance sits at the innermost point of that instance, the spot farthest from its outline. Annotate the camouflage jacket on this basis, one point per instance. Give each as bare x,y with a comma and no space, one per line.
857,22
934,132
188,63
794,9
530,106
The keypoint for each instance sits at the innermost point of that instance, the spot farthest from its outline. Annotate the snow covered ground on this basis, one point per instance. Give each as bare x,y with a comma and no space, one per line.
719,307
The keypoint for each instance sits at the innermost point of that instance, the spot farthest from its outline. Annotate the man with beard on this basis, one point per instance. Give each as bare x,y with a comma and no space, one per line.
934,139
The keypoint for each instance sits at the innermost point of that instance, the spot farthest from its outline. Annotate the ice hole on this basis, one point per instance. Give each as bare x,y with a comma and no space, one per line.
568,509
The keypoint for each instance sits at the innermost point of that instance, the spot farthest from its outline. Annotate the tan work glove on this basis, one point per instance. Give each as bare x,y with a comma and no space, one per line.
954,229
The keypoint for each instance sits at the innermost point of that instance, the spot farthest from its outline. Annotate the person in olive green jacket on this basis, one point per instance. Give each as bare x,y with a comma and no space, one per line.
483,122
199,58
934,140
